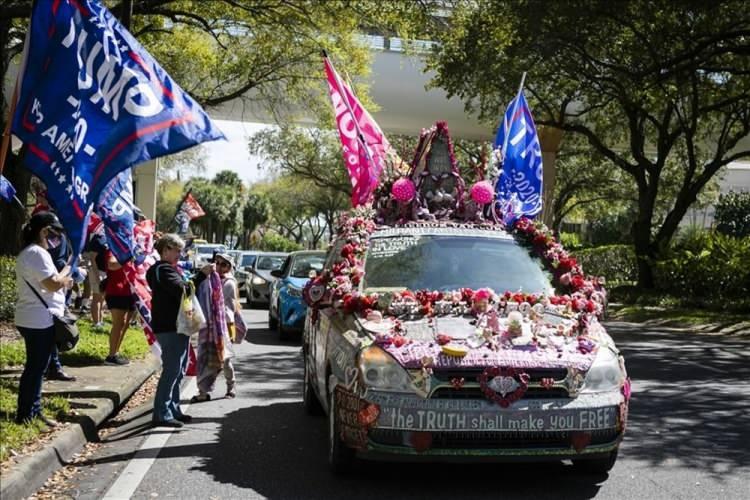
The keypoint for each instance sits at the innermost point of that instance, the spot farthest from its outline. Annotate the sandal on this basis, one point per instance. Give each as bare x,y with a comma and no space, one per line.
230,393
200,398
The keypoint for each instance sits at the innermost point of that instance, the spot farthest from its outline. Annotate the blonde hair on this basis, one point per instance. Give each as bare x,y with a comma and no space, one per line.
169,240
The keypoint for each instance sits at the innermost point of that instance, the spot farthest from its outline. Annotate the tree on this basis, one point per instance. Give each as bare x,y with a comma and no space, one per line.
256,213
644,82
262,52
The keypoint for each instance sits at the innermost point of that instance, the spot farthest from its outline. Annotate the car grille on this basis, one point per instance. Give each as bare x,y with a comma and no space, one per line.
490,439
535,391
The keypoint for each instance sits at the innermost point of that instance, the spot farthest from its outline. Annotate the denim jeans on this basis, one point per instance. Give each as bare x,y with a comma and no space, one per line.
174,358
54,361
39,343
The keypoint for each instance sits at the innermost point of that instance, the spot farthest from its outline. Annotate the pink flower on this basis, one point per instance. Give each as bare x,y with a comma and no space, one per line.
482,192
403,190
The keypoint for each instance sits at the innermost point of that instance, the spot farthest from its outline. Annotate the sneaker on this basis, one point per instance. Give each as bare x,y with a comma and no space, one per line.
185,419
118,359
98,326
60,375
168,423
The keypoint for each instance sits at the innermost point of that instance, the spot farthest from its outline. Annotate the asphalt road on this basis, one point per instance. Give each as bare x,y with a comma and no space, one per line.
688,437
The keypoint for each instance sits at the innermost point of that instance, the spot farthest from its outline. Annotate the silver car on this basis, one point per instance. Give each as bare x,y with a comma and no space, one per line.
244,264
257,286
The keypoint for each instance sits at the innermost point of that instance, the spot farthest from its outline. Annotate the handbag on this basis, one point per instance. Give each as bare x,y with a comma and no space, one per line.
66,331
190,318
240,328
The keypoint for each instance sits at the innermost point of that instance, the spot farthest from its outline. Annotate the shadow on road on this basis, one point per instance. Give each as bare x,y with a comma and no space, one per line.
277,441
691,399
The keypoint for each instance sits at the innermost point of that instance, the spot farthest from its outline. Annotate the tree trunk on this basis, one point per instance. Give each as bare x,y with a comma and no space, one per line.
644,250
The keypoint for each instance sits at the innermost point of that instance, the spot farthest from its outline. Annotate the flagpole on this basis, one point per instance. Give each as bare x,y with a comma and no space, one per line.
513,114
179,207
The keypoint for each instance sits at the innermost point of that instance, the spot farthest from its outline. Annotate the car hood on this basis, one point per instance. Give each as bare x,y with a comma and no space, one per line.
266,275
297,282
551,350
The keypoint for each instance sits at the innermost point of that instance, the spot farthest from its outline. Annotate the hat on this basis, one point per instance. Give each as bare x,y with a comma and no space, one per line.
224,256
40,220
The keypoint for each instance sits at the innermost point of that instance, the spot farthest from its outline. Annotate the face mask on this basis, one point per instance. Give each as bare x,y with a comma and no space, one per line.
53,241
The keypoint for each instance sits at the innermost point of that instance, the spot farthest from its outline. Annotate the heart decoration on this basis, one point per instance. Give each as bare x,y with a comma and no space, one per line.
368,415
458,383
316,293
504,386
580,440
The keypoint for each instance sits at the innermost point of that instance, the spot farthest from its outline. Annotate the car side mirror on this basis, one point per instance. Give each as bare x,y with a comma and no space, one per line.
276,273
312,274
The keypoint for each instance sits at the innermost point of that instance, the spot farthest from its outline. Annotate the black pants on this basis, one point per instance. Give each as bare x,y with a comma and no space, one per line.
39,344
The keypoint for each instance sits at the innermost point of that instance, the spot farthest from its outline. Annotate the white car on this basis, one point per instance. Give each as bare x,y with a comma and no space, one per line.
203,253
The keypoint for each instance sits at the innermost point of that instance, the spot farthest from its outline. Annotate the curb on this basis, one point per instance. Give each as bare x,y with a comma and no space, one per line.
31,472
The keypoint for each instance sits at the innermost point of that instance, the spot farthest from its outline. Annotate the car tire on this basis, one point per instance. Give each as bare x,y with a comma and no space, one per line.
273,323
310,399
598,465
341,458
283,332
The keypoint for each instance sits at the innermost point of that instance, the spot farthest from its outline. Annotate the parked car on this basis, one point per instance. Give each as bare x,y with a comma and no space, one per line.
202,253
258,284
286,310
245,262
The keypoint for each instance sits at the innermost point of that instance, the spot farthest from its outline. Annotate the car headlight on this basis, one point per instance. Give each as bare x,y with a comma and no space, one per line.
293,291
379,370
605,374
257,280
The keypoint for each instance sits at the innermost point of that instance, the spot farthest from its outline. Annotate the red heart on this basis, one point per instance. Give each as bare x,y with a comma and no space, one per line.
368,415
495,371
421,441
580,440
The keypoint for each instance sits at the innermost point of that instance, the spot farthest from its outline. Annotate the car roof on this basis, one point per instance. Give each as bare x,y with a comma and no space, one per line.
273,254
308,252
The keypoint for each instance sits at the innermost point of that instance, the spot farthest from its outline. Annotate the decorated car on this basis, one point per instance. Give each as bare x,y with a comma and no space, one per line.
438,332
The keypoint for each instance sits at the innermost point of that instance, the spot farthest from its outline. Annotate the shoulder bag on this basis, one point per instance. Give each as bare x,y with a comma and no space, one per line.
66,331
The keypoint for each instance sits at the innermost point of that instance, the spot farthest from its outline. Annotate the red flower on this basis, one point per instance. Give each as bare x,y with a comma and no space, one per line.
443,339
576,282
399,340
347,250
467,294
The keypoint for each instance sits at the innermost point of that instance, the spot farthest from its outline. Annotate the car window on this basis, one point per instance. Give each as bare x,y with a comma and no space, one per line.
450,262
211,249
248,260
270,262
303,264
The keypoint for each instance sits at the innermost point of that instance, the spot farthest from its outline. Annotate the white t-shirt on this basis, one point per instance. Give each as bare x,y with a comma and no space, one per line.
35,265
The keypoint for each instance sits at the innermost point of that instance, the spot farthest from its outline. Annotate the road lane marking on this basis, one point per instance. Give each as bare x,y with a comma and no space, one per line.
130,478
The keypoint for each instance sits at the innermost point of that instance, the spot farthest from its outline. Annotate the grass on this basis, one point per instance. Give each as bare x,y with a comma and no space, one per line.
15,436
675,316
92,348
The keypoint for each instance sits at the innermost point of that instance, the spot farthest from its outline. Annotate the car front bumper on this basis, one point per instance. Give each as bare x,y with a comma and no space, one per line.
292,312
410,428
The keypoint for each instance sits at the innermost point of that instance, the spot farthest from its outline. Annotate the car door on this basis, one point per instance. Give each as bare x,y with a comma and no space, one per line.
276,287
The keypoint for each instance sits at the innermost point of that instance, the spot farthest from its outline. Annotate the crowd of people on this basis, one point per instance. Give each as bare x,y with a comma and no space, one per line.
47,287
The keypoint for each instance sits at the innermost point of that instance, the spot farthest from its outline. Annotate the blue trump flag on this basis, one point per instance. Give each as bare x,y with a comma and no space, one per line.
519,187
115,207
7,191
93,103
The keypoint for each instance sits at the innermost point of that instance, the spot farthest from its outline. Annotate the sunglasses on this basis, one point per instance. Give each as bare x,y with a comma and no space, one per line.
223,263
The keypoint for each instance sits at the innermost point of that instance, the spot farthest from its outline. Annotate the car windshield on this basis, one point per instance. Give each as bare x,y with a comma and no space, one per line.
248,260
303,264
270,262
449,262
210,250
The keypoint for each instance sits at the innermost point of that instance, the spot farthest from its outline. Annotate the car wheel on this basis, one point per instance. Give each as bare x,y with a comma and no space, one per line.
596,466
309,398
283,332
341,458
273,323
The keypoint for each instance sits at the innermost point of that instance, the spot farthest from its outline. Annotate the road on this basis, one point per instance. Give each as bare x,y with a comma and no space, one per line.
688,437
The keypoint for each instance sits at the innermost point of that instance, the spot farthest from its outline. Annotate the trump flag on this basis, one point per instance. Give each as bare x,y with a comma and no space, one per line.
519,187
92,103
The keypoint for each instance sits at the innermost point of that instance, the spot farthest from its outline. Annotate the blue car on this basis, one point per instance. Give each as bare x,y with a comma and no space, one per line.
286,309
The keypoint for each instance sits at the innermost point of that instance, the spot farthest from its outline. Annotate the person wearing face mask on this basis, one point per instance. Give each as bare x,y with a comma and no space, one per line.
40,295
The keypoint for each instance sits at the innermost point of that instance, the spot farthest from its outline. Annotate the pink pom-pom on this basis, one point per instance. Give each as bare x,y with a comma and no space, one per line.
482,192
403,190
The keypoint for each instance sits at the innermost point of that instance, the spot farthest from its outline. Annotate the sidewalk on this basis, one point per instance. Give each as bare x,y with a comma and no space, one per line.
96,394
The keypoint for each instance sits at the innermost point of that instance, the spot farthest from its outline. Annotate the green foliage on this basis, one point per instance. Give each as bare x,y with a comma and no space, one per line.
733,214
7,287
571,241
15,436
615,262
273,242
611,229
707,267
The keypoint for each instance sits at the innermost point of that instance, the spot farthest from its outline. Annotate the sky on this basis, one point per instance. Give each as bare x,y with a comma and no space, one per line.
233,154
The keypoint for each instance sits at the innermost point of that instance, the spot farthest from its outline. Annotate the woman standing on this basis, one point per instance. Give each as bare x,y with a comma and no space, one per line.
167,288
38,282
121,304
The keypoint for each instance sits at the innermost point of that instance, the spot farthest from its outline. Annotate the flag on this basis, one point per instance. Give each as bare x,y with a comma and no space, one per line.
7,191
189,209
115,208
135,273
519,187
92,102
364,145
